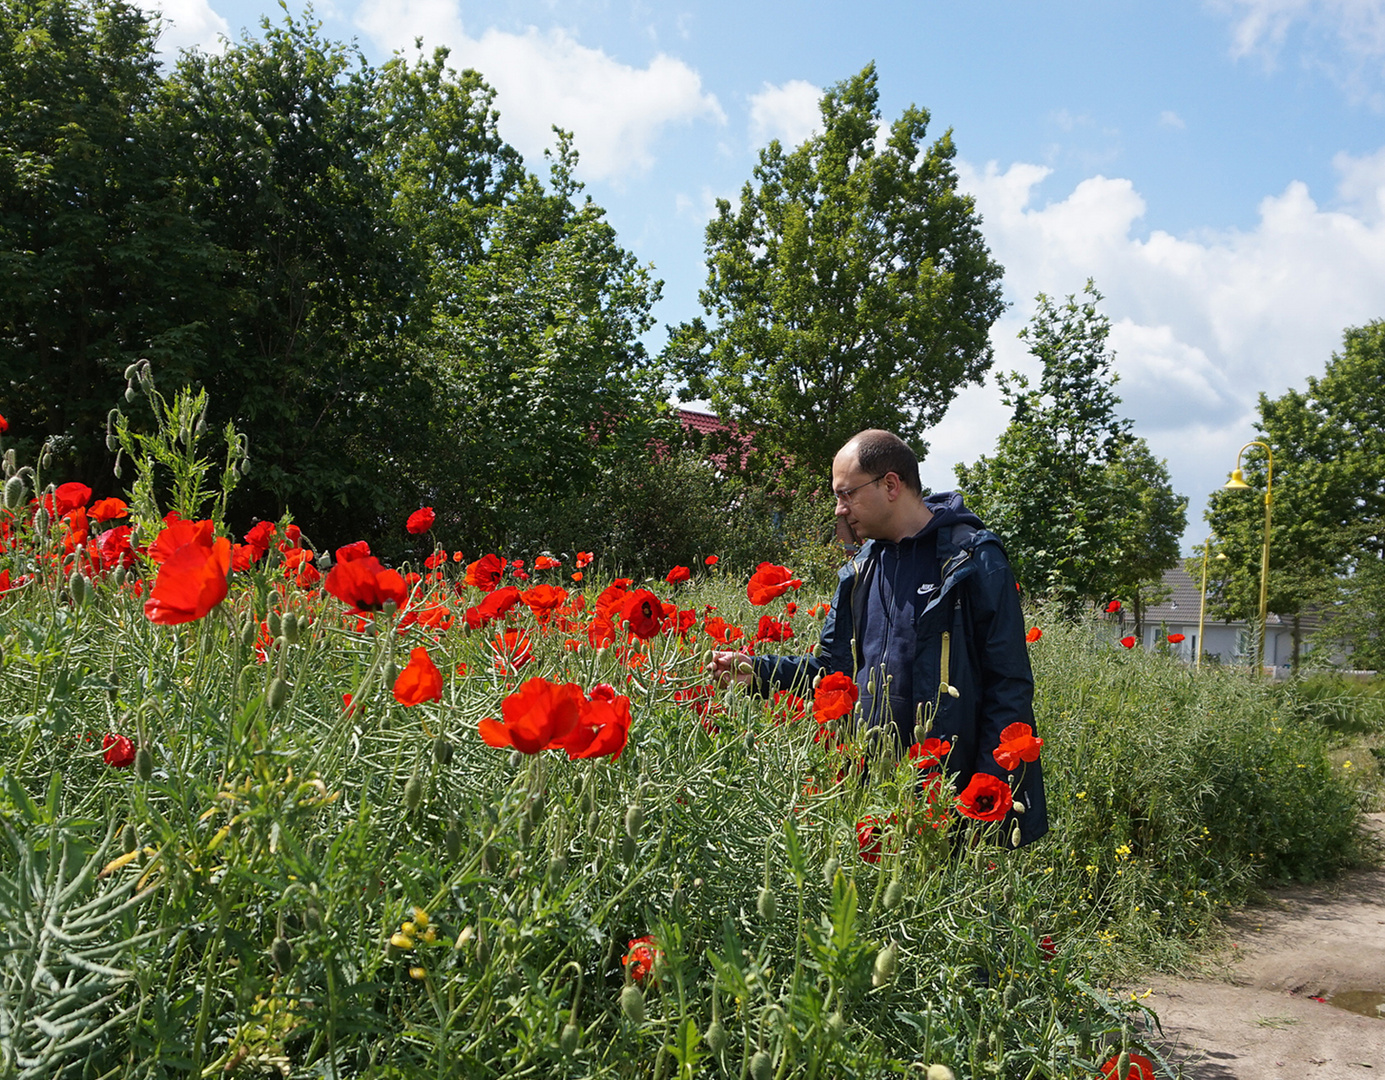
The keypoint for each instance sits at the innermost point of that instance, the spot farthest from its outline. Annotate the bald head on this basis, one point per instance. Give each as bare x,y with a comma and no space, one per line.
878,452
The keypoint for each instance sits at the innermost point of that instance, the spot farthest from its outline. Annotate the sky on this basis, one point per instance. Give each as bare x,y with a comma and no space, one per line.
1215,167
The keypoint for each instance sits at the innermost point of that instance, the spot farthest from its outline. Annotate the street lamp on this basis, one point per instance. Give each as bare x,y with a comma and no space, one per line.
1202,610
1238,482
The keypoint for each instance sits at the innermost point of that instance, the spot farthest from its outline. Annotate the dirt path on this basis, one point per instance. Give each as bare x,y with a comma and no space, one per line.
1274,1011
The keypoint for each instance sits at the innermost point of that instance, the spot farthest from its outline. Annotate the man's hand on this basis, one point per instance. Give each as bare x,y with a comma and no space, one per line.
730,667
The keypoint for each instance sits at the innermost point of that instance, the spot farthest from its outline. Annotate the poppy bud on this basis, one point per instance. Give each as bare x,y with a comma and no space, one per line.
144,763
536,808
312,918
14,493
744,668
628,849
77,586
465,938
413,793
391,673
952,691
277,694
1123,1064
442,750
676,900
41,520
1017,807
1015,835
130,394
766,904
289,627
894,893
557,867
715,1037
516,759
836,1025
761,1065
886,961
526,831
129,839
247,634
567,1041
829,870
281,952
632,1004
483,947
593,822
452,839
588,803
274,623
634,818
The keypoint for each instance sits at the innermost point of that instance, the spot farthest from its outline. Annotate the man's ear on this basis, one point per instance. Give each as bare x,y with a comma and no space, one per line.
893,488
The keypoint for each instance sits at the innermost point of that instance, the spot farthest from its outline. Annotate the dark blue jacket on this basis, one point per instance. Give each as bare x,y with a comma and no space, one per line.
970,615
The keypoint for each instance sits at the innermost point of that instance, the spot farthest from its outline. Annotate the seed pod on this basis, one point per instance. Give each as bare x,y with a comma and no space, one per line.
568,1040
144,763
77,586
278,693
766,904
275,624
886,962
14,493
413,793
894,893
715,1037
281,952
452,839
129,839
761,1065
632,1004
634,818
829,870
442,750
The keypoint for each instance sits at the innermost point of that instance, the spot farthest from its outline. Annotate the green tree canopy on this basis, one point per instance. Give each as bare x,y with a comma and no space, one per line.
1086,511
850,288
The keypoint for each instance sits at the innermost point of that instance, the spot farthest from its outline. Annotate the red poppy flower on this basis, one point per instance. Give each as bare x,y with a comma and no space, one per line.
421,520
936,804
108,509
512,649
836,695
678,575
1174,639
986,798
612,596
1128,641
119,751
787,707
260,536
722,632
603,728
870,836
365,585
711,560
768,582
537,714
420,681
495,605
1017,743
68,497
601,632
641,958
542,599
643,613
930,754
772,630
191,581
1034,634
177,534
1140,1068
584,558
113,547
546,562
4,425
1113,607
485,572
1047,948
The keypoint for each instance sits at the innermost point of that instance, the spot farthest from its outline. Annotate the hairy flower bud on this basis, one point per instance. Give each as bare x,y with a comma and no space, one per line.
144,763
442,750
886,962
278,693
632,1004
761,1065
767,904
452,839
715,1037
939,1072
634,818
77,586
129,839
894,893
275,624
281,952
14,493
568,1040
413,793
829,870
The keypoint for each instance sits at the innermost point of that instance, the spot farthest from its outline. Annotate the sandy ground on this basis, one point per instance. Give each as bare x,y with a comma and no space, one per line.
1268,1013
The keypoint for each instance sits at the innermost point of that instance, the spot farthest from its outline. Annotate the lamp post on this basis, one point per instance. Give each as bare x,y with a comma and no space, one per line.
1202,609
1238,483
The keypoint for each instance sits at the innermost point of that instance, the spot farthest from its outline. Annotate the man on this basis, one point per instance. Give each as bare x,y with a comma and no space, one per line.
926,619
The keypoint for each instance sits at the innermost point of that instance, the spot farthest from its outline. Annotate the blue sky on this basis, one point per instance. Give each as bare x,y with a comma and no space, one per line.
1216,166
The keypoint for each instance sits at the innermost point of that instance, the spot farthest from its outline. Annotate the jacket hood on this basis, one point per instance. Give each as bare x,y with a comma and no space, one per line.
948,509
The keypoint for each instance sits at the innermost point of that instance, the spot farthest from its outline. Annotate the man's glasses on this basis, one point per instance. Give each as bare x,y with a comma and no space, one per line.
846,496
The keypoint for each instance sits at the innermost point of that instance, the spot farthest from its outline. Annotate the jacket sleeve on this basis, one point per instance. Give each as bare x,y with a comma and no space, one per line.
1006,680
833,653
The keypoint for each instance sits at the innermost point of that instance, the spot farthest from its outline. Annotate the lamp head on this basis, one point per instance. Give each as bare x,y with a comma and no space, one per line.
1237,481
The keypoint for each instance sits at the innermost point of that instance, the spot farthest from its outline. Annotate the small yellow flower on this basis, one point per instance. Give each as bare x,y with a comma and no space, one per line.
420,917
1346,764
402,941
430,936
417,973
408,928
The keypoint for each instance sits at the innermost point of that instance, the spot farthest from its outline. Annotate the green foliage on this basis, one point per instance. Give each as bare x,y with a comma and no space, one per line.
850,288
1086,510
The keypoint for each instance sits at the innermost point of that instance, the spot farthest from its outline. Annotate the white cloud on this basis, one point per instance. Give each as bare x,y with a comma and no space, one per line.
187,24
1261,26
1170,119
616,112
788,113
1201,324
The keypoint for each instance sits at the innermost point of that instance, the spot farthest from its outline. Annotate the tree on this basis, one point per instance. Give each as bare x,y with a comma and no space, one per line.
849,289
1328,507
1086,511
99,262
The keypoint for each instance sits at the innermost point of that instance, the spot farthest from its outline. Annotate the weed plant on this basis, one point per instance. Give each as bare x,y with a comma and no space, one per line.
284,880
